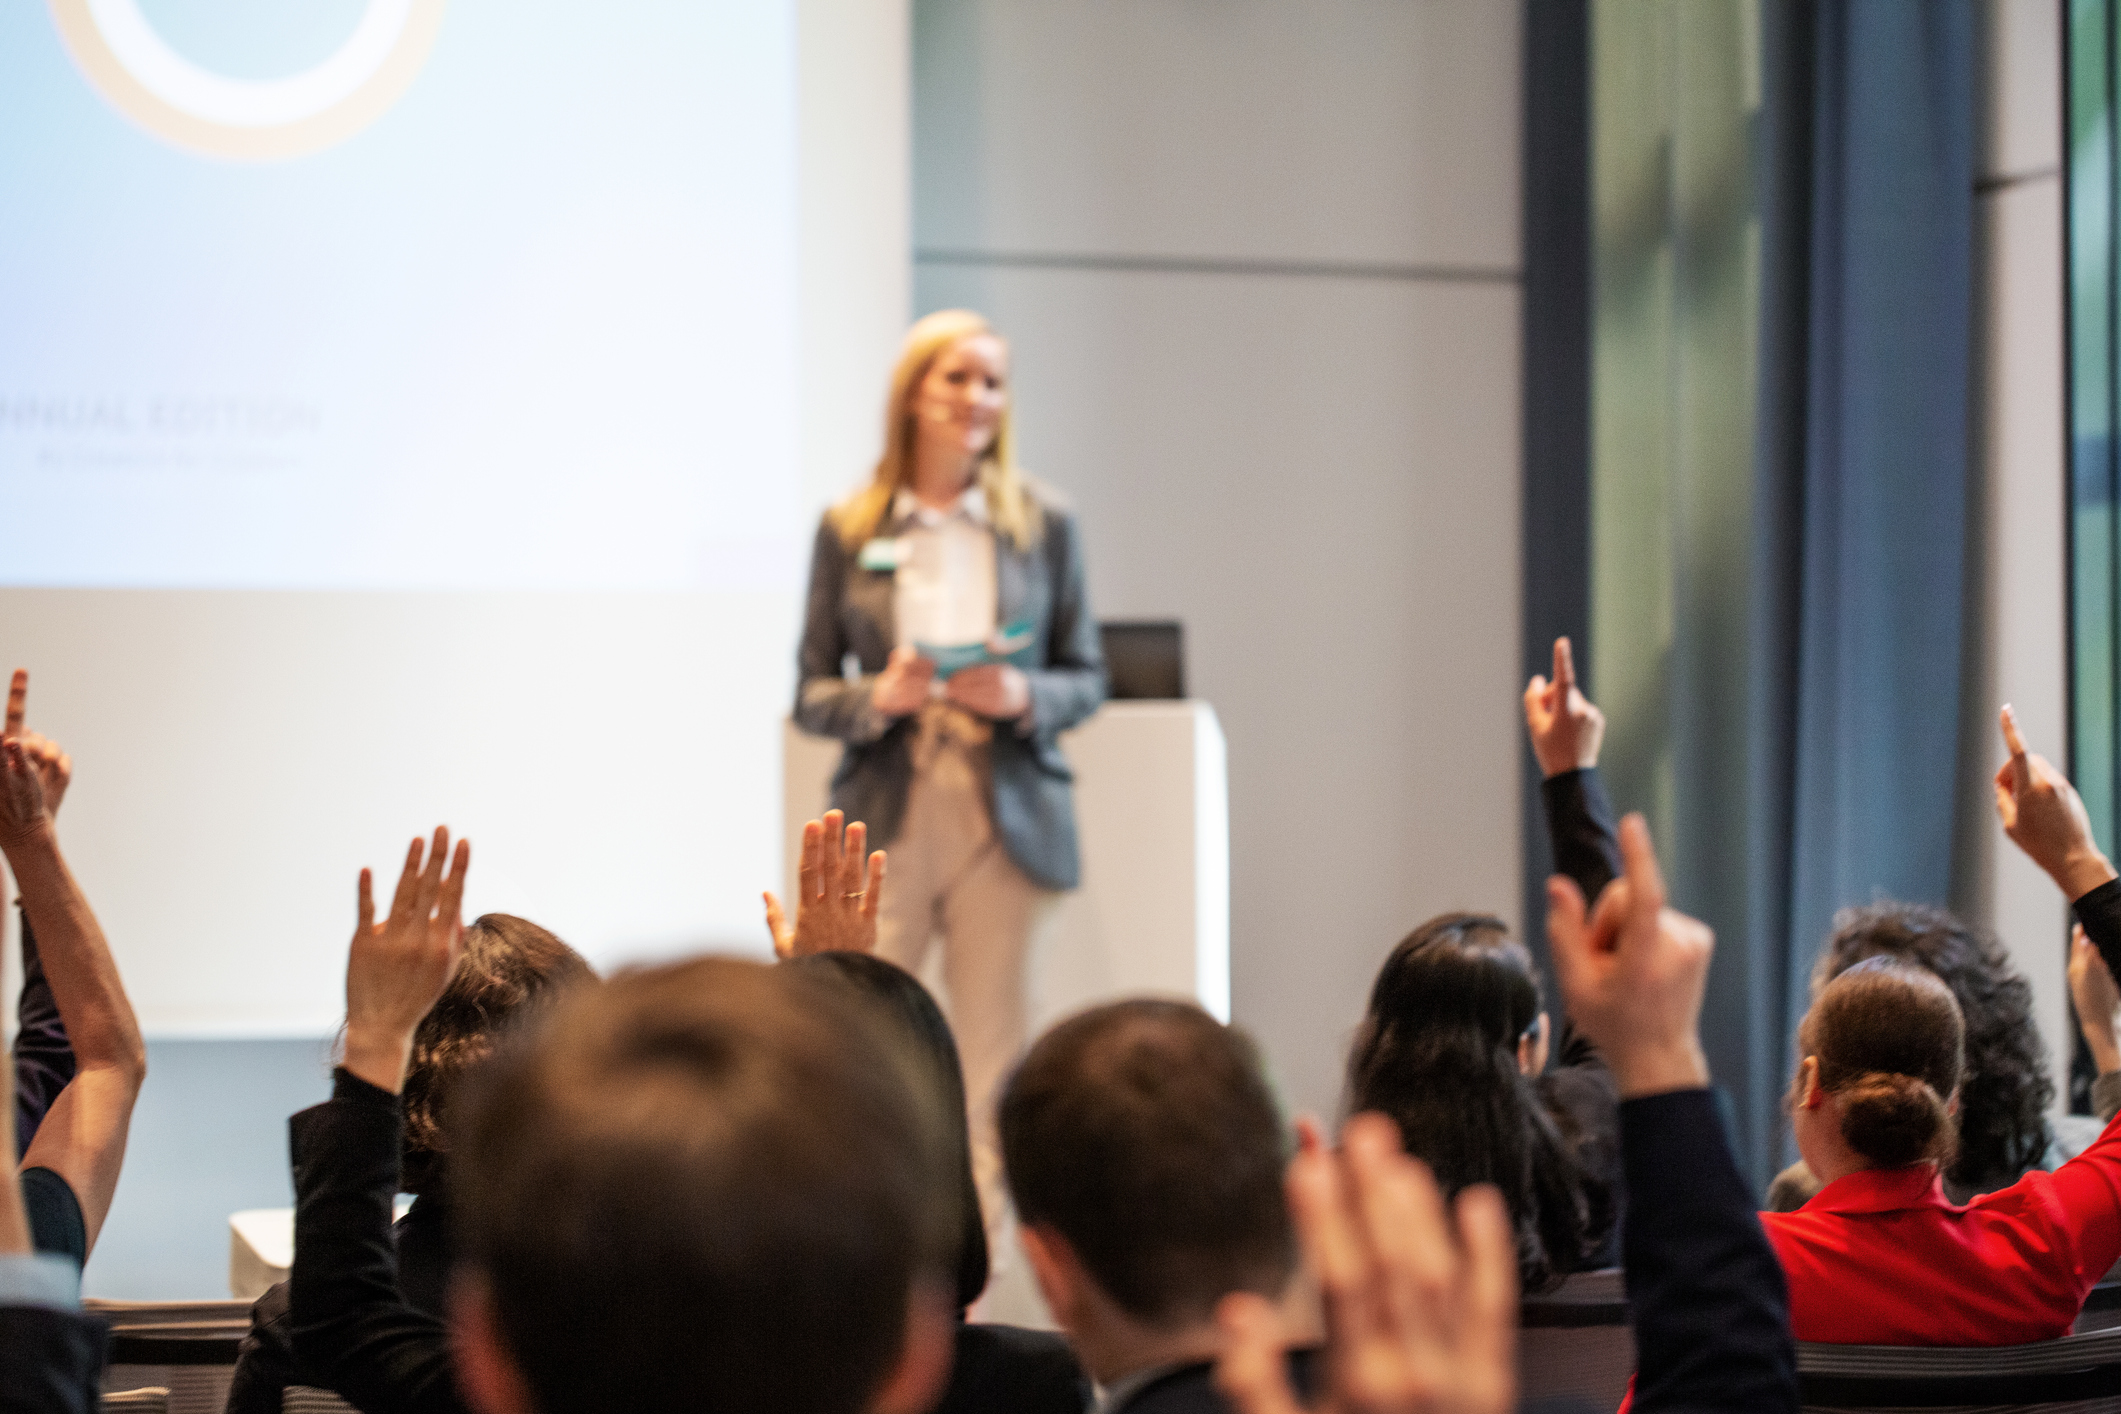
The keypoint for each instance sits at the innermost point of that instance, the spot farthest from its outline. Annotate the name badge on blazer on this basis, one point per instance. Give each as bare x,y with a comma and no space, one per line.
882,555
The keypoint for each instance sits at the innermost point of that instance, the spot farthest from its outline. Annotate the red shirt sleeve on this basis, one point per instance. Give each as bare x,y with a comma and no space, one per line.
2088,1188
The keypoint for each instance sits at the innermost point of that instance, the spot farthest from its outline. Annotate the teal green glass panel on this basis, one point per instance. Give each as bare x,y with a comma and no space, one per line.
2093,64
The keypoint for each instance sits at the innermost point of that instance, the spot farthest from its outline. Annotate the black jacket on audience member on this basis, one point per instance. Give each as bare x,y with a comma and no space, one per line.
266,1364
357,1332
51,1362
352,1325
1576,1088
1710,1308
1008,1368
1190,1389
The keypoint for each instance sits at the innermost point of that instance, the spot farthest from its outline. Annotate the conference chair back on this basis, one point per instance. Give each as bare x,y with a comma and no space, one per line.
1575,1349
185,1347
2078,1374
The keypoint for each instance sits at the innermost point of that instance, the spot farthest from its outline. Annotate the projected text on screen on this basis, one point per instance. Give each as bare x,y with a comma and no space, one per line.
398,294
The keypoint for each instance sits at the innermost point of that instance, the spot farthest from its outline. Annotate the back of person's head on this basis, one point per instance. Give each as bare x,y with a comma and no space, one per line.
906,1005
509,972
1438,1053
1144,1134
2006,1090
708,1186
1887,1037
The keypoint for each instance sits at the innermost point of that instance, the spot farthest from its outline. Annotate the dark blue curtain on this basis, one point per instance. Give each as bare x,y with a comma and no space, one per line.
1556,398
1863,175
1863,460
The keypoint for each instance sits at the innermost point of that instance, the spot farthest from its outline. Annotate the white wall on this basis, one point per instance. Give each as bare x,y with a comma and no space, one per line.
2017,653
1258,261
255,705
855,135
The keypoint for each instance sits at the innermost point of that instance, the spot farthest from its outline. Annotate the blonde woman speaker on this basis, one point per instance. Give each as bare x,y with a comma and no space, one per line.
955,582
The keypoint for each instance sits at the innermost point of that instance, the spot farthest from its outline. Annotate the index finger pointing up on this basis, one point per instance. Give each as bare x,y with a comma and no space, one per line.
1564,665
1645,879
17,703
2011,738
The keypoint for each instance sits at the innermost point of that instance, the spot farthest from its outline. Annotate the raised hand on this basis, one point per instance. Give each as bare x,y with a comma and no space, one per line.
1420,1297
836,902
398,968
2097,1001
1634,971
1566,727
22,809
901,689
55,769
2044,816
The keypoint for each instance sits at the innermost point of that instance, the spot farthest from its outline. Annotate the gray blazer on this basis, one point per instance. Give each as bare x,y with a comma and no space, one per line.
853,610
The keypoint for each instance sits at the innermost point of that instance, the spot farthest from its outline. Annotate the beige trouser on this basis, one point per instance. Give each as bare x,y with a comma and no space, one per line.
950,877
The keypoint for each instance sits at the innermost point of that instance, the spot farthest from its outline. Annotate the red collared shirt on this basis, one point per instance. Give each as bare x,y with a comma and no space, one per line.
1881,1257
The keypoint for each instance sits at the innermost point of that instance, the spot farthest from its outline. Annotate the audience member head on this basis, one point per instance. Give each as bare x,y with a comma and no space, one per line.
1881,1067
905,1004
2005,1092
1144,1154
1453,1037
510,971
712,1185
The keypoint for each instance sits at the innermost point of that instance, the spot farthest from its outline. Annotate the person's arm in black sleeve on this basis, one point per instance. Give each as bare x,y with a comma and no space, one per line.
1580,828
1709,1305
827,703
44,1058
349,1323
1586,849
1070,685
2099,913
1566,730
53,1360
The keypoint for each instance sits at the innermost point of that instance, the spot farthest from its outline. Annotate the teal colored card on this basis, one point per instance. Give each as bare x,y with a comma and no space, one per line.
1011,645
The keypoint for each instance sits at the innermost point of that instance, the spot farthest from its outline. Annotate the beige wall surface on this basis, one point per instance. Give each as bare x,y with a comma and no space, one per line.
2017,644
1258,261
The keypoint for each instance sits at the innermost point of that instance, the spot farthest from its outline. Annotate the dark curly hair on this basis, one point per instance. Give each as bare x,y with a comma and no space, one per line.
2004,1097
510,970
1437,1052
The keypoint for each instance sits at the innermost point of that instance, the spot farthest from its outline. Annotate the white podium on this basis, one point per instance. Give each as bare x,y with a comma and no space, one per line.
1152,808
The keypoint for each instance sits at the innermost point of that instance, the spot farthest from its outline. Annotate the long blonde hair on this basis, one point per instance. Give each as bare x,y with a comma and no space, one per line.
1009,503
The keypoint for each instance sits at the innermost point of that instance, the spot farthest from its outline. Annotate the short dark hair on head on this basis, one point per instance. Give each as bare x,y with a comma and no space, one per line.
1888,1039
1144,1133
510,970
1437,1052
2006,1089
905,1003
707,1186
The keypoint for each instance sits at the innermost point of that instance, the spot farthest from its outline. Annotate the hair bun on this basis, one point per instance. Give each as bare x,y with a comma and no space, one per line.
1893,1120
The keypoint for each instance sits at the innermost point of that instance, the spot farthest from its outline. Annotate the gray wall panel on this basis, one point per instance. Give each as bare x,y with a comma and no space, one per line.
1319,476
1356,130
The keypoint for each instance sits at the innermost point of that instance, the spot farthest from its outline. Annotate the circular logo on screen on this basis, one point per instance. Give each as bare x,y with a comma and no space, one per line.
254,119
